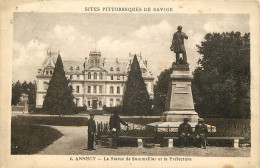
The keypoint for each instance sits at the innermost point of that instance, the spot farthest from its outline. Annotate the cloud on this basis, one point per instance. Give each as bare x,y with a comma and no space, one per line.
26,58
70,42
152,41
214,26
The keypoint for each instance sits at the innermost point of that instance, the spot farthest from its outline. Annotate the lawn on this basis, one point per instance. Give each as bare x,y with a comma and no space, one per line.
29,134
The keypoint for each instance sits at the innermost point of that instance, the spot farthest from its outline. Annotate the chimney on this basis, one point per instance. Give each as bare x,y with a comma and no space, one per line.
145,63
104,60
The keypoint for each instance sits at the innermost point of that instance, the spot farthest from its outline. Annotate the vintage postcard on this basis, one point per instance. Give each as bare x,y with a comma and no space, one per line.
129,83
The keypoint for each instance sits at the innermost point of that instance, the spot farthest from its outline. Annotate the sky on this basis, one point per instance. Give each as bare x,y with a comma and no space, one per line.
114,35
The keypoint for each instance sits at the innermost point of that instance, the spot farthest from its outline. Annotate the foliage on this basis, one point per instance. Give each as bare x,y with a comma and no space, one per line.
80,109
16,92
111,110
27,88
221,85
136,100
160,91
59,98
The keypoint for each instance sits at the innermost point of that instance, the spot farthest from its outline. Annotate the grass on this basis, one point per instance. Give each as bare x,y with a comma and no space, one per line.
29,135
52,120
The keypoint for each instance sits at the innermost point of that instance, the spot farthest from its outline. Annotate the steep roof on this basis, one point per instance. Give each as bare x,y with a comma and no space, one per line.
111,66
115,67
73,66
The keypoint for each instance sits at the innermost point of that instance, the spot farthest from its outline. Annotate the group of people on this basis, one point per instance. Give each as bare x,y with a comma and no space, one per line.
186,135
114,126
189,138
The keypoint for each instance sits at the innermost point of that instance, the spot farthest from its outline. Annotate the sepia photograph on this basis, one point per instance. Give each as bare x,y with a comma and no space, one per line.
120,83
111,84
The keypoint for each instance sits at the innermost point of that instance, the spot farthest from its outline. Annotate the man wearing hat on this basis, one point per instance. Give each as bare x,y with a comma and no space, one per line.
178,44
185,133
200,133
114,126
91,131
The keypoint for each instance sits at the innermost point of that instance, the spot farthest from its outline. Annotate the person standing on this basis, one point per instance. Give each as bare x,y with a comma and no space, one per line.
200,133
178,44
114,126
91,131
185,133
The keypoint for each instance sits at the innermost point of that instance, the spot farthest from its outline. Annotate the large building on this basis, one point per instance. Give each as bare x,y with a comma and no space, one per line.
95,81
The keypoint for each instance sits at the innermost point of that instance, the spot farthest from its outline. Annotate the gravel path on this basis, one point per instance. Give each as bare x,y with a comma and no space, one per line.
74,139
74,142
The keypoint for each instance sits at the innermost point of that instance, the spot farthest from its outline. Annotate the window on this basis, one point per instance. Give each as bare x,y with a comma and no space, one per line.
111,69
78,68
100,75
71,88
118,77
100,103
77,102
117,102
111,89
71,68
47,72
111,102
77,76
45,85
111,77
118,89
50,72
100,89
95,75
77,89
89,75
71,76
95,89
89,103
89,89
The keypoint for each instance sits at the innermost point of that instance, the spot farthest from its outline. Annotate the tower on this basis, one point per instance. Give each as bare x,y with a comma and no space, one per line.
94,59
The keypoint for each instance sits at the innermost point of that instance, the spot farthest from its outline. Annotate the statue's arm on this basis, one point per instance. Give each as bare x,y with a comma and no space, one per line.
185,36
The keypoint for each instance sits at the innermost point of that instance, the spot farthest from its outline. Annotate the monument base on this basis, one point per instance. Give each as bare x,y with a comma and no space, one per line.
178,116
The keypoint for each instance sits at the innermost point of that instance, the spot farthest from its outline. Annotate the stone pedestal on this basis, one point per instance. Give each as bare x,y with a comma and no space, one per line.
179,102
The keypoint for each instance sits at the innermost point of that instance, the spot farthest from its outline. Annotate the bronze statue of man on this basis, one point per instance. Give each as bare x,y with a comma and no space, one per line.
178,45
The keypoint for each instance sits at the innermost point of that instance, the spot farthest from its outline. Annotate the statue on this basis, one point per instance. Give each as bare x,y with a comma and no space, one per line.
178,46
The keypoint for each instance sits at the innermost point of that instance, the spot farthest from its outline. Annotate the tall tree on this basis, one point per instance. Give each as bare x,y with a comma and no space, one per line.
59,99
31,93
136,100
160,91
16,92
221,85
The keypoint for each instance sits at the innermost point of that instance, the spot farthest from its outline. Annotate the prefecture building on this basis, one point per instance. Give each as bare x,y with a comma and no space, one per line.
95,81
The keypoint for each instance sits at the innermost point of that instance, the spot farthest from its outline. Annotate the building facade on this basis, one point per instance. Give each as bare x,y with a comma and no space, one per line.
95,81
